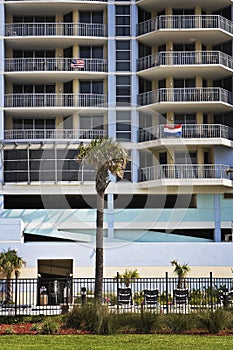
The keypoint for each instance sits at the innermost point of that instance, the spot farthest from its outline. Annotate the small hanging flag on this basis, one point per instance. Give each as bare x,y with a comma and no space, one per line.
173,130
77,63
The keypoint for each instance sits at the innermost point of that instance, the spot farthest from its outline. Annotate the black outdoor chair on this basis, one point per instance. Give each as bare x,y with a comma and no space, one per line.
124,297
225,297
151,298
180,297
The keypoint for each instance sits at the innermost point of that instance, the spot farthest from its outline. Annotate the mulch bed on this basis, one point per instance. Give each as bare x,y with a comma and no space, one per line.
30,328
33,329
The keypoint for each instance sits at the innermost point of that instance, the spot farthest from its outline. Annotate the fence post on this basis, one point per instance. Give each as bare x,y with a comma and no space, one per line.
167,308
16,290
117,280
211,291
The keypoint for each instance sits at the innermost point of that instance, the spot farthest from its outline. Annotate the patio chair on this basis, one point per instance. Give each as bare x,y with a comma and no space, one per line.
225,297
180,297
151,298
124,297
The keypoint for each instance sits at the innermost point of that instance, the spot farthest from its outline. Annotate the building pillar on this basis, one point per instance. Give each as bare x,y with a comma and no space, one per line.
217,218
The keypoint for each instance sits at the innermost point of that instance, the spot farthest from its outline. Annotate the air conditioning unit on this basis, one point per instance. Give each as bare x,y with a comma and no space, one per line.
228,238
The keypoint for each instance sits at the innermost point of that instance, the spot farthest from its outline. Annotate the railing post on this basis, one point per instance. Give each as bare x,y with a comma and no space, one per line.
167,308
16,290
211,291
117,280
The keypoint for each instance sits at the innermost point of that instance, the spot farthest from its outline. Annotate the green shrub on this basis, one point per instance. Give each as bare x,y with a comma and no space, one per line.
91,317
126,322
179,323
148,322
215,321
50,326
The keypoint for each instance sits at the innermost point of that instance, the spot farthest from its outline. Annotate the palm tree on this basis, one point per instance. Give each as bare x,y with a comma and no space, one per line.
10,262
181,271
107,157
128,276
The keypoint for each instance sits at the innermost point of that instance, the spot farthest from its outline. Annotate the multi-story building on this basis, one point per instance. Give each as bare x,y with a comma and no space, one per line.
154,75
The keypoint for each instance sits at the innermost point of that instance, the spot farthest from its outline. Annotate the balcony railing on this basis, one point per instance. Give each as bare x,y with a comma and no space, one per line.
184,58
185,95
189,131
49,1
184,171
55,65
185,22
54,100
53,134
55,29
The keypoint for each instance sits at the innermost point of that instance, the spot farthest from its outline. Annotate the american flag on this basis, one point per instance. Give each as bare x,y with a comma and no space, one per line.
77,63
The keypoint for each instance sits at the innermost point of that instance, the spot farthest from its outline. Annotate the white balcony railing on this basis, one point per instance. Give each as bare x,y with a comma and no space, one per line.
185,95
49,1
185,58
55,64
55,29
185,22
53,134
189,131
54,100
184,171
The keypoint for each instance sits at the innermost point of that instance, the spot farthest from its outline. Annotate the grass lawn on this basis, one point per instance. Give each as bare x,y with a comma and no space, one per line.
118,342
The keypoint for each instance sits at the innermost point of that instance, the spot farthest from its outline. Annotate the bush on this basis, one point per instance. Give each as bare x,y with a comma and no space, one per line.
215,321
178,323
50,326
91,317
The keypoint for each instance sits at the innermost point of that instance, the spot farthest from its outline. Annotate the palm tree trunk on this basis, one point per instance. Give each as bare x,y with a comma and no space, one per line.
99,265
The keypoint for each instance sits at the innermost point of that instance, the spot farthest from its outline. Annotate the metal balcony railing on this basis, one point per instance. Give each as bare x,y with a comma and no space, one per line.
49,1
185,22
55,29
53,134
185,95
189,131
55,64
185,58
184,171
54,100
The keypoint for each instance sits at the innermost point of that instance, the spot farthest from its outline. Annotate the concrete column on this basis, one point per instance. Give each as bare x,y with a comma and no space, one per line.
217,218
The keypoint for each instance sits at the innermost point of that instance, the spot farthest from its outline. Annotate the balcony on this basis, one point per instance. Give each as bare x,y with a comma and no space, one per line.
55,29
55,65
189,131
211,64
37,135
195,174
212,28
82,1
54,100
205,99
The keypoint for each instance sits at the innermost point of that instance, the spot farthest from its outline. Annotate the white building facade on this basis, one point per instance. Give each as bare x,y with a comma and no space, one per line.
155,76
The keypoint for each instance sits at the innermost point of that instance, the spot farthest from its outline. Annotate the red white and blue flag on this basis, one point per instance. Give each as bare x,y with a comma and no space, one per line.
173,130
77,63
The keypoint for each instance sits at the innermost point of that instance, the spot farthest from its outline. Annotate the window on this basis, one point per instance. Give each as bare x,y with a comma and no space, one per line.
91,87
19,123
91,93
122,20
91,126
123,55
185,118
123,126
123,89
91,51
91,17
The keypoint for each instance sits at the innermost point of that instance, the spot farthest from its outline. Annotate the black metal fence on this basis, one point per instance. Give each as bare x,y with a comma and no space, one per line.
58,295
